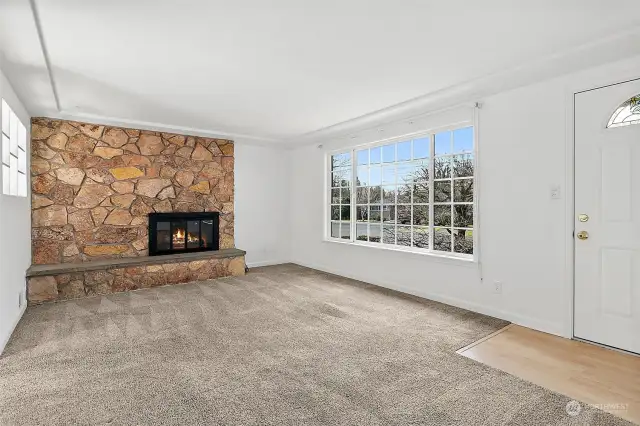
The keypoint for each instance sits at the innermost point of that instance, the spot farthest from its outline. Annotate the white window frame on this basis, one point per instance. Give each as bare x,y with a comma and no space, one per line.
431,133
15,162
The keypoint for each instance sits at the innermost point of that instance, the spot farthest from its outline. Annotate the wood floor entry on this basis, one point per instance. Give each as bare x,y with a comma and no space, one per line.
607,379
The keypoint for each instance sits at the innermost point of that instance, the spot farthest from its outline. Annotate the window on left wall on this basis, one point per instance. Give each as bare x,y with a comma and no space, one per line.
14,153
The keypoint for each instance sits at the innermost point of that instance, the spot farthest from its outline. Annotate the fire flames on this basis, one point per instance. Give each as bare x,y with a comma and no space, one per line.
179,237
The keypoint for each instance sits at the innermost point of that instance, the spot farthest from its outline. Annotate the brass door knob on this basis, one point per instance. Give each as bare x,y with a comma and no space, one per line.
583,235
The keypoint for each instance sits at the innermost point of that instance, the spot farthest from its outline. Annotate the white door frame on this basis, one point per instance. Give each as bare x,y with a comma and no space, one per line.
625,75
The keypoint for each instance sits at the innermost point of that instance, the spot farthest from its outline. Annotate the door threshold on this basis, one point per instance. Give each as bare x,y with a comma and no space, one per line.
487,337
602,345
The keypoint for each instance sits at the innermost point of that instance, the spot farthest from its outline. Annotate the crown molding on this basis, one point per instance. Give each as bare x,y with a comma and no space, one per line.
45,53
60,113
610,49
167,128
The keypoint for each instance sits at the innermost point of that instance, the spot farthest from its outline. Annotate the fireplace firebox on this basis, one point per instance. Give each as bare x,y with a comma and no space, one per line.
183,232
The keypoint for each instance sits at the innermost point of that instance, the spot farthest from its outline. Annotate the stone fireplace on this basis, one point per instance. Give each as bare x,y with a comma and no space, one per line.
97,190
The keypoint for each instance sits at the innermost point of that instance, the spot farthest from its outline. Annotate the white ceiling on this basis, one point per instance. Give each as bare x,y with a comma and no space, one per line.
278,69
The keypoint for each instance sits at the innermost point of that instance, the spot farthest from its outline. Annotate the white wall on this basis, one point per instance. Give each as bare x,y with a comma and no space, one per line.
15,237
262,203
525,145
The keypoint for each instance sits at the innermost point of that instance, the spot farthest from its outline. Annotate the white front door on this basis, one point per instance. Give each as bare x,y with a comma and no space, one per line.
607,222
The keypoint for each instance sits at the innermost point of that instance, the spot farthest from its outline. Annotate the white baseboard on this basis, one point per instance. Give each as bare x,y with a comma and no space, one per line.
525,321
6,338
266,263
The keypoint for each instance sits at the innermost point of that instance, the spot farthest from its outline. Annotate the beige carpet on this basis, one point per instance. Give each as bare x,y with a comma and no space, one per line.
283,345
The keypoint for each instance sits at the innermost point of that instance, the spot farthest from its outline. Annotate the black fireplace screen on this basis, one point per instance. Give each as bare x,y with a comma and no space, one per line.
183,232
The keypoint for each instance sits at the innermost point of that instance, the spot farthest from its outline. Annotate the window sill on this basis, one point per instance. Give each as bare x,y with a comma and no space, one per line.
461,260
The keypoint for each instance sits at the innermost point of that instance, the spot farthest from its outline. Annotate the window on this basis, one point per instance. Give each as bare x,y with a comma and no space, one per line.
14,153
415,193
627,113
341,196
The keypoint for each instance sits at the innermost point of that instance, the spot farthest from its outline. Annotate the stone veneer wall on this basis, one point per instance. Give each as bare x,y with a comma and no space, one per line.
93,186
115,279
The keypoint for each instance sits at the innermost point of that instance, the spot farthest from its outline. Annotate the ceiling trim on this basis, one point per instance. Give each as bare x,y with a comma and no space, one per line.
126,123
167,128
613,48
610,49
45,52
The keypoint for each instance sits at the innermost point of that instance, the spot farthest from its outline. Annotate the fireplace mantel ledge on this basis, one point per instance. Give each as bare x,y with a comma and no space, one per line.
97,265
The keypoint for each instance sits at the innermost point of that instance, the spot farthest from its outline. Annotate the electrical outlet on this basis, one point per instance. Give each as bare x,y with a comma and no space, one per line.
497,287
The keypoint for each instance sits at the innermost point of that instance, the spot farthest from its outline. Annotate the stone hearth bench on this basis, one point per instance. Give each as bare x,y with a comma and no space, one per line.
64,281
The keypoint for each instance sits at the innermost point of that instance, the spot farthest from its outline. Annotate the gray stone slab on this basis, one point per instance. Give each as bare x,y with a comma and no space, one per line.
67,268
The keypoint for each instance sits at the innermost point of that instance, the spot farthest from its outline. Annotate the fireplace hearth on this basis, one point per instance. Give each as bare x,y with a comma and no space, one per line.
183,232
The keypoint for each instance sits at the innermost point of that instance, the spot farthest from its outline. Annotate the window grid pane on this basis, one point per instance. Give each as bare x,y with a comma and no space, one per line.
6,118
13,134
6,148
22,185
22,161
416,193
22,137
340,196
6,189
13,176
